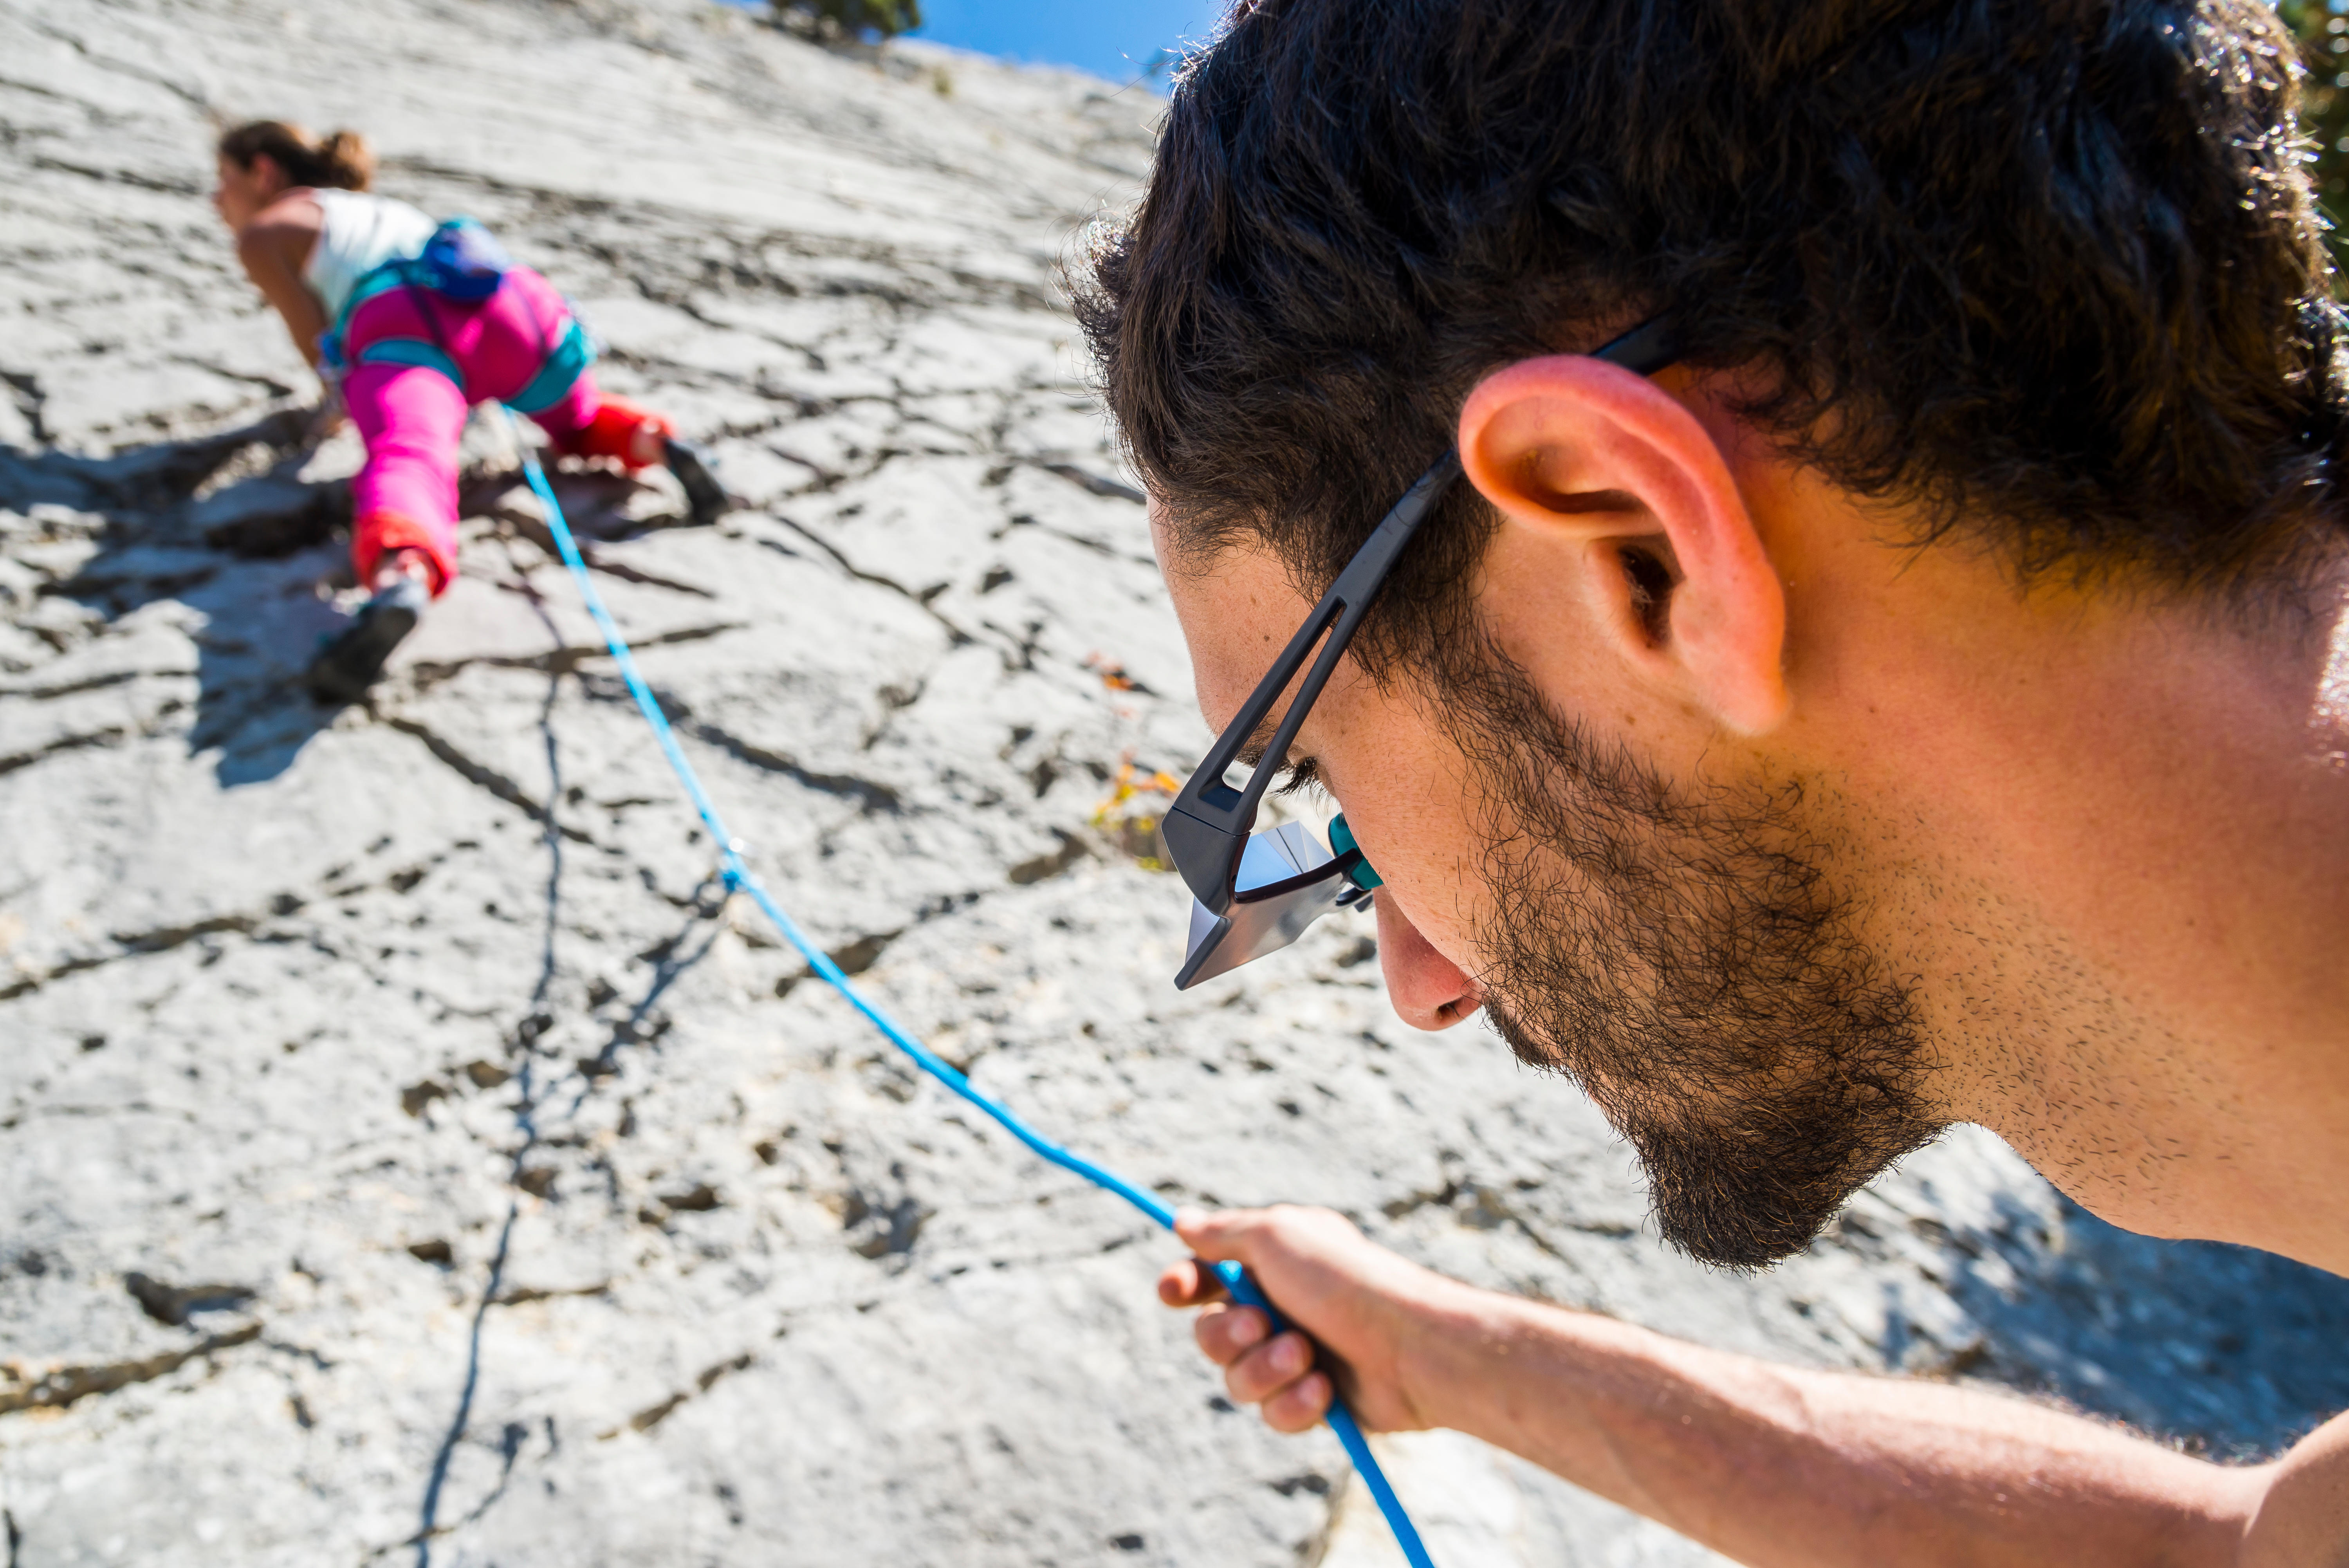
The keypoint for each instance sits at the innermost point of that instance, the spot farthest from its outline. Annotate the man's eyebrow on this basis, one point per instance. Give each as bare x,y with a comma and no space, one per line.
1259,741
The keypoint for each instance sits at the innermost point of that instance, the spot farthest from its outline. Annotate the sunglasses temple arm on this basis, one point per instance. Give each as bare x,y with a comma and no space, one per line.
1226,749
1645,348
1219,816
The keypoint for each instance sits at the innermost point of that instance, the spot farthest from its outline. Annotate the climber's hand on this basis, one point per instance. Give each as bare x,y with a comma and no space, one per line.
325,420
1367,1309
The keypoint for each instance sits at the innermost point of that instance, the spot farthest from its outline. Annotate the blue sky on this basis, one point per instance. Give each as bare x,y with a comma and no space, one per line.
1112,38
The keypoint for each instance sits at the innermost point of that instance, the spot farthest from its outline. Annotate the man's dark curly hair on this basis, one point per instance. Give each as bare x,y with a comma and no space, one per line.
2050,270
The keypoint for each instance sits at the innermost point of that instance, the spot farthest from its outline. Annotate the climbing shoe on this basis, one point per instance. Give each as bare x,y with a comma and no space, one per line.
704,497
348,663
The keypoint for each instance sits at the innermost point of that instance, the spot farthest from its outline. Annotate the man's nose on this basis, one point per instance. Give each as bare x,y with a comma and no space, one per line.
1427,988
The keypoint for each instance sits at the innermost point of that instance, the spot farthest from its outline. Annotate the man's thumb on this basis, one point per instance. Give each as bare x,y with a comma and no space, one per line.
1218,1237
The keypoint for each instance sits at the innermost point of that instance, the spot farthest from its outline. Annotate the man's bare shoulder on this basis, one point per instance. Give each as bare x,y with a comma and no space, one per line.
2302,1519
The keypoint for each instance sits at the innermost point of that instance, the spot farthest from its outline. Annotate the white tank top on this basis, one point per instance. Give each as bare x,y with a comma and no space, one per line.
361,232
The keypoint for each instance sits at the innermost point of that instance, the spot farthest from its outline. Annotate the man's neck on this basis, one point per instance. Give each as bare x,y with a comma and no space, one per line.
2120,865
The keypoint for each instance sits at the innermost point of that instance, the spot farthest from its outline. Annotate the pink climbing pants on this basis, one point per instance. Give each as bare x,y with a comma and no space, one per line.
411,416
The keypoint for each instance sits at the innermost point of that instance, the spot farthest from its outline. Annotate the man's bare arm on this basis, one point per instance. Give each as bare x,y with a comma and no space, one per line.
2302,1519
1776,1465
1770,1465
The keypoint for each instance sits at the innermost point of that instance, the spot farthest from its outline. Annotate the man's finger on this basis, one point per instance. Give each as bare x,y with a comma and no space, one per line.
1189,1284
1224,1334
1258,1373
1222,1236
1299,1407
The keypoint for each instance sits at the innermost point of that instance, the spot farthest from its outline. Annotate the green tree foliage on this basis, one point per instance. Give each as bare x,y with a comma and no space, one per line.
2323,28
853,18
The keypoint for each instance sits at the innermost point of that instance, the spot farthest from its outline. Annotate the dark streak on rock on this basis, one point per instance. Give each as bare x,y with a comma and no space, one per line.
699,1198
567,660
61,1385
1095,484
137,945
873,795
73,688
111,735
170,1304
954,632
522,1295
1071,850
487,777
854,958
652,1416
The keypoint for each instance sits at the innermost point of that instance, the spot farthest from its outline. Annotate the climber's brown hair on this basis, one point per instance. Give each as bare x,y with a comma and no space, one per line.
2048,270
342,162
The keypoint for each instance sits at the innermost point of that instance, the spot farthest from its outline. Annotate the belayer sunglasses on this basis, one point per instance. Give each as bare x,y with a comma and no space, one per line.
1255,893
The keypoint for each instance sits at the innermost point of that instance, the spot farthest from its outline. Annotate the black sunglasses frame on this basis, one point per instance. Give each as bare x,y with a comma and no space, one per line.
1207,827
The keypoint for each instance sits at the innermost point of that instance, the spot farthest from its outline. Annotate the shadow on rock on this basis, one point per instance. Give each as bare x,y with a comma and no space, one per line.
601,505
2233,1351
230,528
226,526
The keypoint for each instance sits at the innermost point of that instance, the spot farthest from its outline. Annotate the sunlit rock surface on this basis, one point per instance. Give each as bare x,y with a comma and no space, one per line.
406,1151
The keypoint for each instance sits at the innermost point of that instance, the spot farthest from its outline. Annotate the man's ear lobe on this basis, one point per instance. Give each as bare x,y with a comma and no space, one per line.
1605,462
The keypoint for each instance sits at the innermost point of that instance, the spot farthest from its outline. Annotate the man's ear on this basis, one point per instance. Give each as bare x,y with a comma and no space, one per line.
1605,463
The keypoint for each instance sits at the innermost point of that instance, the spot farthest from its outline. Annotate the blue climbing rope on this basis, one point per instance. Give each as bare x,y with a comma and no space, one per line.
739,878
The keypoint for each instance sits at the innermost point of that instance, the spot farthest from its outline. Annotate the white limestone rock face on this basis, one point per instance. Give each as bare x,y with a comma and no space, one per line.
407,1151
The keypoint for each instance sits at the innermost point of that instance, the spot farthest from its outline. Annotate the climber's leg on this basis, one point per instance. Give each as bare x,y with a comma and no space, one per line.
411,418
529,354
591,422
404,526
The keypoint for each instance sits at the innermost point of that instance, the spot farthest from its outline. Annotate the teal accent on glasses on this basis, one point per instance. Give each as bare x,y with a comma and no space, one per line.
1342,838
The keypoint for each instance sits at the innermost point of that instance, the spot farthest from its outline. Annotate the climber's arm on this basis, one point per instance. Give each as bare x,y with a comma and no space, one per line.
1770,1465
275,247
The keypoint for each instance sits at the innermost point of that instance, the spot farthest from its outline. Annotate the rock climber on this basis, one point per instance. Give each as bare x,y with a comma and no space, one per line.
1867,649
339,264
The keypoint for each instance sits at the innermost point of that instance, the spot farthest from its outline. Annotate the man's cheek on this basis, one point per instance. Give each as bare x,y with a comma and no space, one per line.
1433,873
1442,902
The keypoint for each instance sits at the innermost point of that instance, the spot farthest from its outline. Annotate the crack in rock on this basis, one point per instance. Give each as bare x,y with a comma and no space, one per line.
112,735
61,1385
522,1295
1072,849
652,1416
1095,484
870,795
485,776
565,660
1480,1208
170,1304
958,637
140,945
532,526
75,688
854,958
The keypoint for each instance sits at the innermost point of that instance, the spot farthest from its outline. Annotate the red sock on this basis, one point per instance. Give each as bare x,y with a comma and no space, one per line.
380,532
613,430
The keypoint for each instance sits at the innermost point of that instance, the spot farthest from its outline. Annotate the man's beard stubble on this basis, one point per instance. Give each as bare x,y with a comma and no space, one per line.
1682,959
